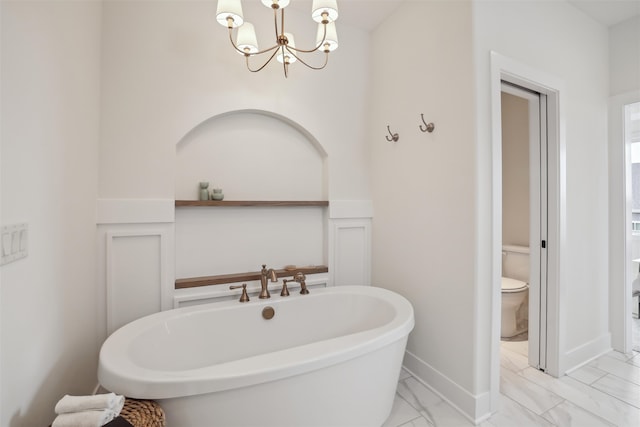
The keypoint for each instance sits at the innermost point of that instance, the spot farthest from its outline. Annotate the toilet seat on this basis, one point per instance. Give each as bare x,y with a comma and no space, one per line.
513,285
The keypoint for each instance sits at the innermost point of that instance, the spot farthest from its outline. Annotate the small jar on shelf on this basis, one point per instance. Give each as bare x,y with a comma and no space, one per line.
217,194
204,191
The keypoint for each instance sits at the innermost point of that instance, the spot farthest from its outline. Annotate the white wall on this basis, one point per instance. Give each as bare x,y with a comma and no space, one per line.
1,216
624,88
432,193
624,57
557,40
423,185
251,156
168,72
50,100
168,66
515,170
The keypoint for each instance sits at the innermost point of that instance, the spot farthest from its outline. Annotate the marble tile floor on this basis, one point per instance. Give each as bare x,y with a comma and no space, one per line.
605,392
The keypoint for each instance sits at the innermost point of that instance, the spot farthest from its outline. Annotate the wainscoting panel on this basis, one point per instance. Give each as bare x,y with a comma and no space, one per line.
139,279
350,251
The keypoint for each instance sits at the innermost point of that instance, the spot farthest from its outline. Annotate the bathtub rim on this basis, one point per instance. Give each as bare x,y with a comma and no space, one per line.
124,376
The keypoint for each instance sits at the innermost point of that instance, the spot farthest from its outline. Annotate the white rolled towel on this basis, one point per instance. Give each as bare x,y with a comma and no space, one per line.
84,419
110,401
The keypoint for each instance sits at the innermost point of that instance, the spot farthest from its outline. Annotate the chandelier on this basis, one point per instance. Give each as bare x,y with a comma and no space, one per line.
324,12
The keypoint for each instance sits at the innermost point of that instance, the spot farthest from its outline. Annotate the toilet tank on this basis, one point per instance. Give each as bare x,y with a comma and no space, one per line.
515,262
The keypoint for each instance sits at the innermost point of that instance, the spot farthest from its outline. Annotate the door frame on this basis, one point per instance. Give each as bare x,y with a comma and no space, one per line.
620,266
537,226
507,69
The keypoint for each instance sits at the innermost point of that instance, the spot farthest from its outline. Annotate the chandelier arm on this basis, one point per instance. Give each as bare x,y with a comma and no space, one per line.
326,60
245,53
275,22
324,38
286,68
263,65
281,23
282,42
264,51
233,44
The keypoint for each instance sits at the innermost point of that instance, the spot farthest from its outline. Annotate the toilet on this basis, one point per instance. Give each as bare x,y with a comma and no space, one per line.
515,290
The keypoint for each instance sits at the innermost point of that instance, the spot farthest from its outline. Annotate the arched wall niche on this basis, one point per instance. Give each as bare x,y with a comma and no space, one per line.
252,155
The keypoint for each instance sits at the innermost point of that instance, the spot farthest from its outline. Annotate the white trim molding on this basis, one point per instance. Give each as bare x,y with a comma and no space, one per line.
350,242
350,251
119,311
135,211
587,352
476,408
342,209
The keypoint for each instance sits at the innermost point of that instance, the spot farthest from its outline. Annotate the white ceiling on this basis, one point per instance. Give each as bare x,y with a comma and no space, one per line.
367,14
608,12
363,14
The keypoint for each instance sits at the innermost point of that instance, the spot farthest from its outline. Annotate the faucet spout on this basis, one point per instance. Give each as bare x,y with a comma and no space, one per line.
265,276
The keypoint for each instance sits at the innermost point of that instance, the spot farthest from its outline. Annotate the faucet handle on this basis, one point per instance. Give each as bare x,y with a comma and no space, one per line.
302,279
285,290
244,297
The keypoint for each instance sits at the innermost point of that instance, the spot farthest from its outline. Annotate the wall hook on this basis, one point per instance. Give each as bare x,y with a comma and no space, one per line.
428,127
394,136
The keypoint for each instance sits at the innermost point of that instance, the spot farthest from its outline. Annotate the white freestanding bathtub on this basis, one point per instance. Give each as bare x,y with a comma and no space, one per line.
330,358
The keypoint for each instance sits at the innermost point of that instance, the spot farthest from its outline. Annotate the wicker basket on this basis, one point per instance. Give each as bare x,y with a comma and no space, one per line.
143,413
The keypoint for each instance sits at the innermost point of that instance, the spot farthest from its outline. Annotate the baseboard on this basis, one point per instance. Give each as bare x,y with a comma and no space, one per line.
585,353
476,408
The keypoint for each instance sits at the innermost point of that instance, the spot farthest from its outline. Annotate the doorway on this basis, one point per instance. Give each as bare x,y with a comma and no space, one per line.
632,143
624,243
524,215
504,69
632,137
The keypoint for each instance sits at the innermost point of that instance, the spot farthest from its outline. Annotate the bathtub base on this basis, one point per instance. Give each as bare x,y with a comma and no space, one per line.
357,392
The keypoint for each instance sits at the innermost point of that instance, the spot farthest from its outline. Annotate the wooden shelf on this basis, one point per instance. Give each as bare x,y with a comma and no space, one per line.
259,203
193,282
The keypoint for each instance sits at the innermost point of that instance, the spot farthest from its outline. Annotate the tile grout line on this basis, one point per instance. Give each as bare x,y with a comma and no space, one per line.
637,384
553,407
410,405
410,421
525,409
616,397
429,416
544,388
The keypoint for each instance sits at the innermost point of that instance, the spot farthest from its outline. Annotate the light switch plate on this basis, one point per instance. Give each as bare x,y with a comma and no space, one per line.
15,242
